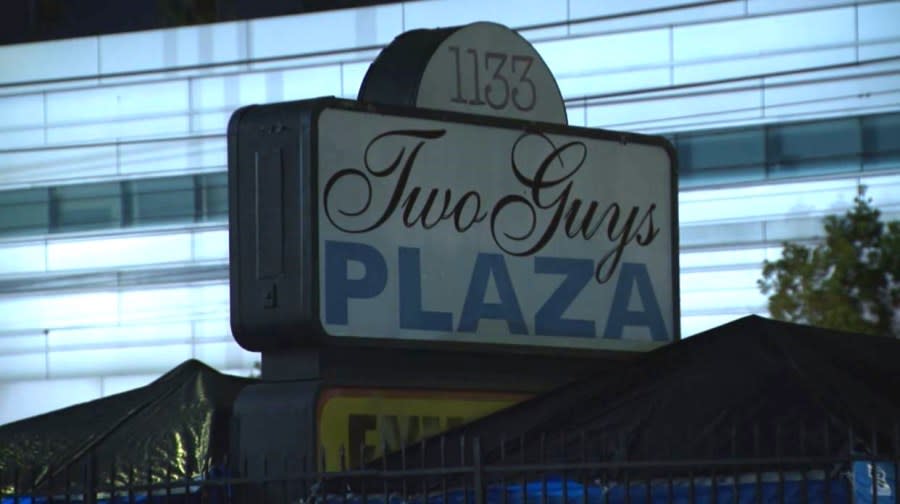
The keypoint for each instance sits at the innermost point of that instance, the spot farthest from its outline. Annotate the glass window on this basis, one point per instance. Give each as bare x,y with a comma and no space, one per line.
720,157
24,212
814,148
881,141
214,196
87,206
160,200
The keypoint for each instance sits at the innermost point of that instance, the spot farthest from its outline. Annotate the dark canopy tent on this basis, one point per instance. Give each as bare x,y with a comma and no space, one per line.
174,428
751,388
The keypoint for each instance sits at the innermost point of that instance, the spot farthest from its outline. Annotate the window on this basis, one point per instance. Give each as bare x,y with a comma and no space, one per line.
214,197
87,206
718,157
814,148
881,142
160,201
24,212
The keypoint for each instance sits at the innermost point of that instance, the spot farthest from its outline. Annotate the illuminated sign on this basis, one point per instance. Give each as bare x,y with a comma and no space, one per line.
358,223
357,424
442,230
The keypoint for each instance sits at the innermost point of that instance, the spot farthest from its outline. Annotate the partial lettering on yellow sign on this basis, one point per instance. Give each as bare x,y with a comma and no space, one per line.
355,425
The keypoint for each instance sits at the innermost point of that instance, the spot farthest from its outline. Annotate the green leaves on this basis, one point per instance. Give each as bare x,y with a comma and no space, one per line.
850,281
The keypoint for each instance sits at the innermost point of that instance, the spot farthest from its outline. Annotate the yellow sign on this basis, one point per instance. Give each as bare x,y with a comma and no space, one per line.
359,423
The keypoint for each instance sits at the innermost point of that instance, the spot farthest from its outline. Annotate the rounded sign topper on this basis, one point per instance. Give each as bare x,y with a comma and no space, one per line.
481,68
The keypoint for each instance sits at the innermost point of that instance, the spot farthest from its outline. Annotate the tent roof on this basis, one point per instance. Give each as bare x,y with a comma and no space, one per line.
753,387
177,424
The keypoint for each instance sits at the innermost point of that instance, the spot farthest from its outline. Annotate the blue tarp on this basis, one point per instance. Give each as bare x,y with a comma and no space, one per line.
790,488
882,488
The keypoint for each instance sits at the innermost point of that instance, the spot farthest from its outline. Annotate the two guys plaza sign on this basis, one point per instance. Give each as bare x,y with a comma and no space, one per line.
452,230
356,222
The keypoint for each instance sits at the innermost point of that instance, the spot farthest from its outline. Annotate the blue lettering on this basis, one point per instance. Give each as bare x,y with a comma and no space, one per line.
339,287
549,321
475,308
412,316
632,274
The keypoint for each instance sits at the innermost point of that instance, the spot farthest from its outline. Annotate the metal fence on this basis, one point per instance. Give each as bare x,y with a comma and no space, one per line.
462,473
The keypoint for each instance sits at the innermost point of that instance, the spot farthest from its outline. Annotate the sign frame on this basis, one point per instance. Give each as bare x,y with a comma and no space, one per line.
303,328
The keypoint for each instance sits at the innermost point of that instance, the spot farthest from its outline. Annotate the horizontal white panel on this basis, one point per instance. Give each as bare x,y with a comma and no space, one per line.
352,75
875,50
721,233
755,7
48,60
217,329
23,343
583,55
541,33
693,324
717,258
325,31
22,367
817,106
711,281
625,14
176,303
228,91
314,59
178,156
118,251
116,129
842,83
746,298
611,82
435,13
211,245
57,311
211,122
863,70
226,354
670,111
311,82
23,111
119,336
19,400
768,34
22,258
749,65
117,384
177,47
24,137
579,9
746,204
132,360
802,202
42,166
145,101
879,21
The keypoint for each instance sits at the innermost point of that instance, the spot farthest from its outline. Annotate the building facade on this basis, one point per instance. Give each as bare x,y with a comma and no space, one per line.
113,198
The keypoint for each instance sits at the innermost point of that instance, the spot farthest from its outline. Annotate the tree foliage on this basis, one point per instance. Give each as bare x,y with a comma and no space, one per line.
850,281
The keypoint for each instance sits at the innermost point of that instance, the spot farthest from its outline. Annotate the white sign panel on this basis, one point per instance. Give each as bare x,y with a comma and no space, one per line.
451,231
